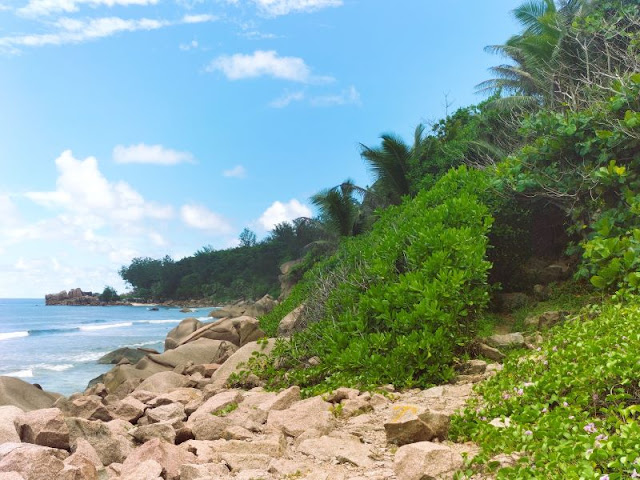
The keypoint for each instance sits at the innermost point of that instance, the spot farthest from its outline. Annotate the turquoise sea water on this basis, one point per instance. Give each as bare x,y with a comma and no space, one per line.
57,346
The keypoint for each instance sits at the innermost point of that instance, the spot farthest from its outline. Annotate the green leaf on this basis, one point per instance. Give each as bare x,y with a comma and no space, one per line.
598,282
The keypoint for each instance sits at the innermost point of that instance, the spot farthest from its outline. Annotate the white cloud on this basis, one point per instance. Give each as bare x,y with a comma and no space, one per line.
236,172
157,239
280,212
200,217
201,18
350,96
47,7
284,7
81,189
185,47
265,63
72,31
286,99
150,154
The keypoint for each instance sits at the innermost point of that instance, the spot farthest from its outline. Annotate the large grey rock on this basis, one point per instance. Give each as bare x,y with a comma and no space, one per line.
163,431
312,413
79,467
236,330
291,322
490,352
215,404
84,406
506,340
413,423
426,461
163,382
198,351
261,307
23,395
8,432
177,334
112,446
267,401
172,413
44,427
220,377
509,302
134,355
84,448
170,457
191,398
129,409
32,462
210,427
122,379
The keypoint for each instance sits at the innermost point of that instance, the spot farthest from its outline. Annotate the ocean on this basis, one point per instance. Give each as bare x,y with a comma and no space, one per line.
57,346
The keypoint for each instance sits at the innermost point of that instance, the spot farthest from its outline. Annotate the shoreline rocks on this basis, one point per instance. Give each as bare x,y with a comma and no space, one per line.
173,416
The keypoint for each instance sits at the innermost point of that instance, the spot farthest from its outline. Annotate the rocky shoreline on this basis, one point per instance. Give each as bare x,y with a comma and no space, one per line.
173,416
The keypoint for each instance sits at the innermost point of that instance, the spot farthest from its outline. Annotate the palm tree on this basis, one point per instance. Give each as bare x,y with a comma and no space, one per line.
339,210
529,77
391,163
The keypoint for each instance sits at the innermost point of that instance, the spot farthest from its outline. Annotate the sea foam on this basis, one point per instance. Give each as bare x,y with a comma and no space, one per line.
10,335
89,328
21,373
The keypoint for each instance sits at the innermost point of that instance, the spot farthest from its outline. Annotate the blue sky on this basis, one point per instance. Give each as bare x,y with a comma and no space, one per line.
151,127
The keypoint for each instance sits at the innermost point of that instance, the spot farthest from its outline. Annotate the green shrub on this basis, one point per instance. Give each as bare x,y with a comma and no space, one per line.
397,304
573,404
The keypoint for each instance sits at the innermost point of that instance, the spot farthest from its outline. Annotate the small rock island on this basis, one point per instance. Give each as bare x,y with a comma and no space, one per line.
77,296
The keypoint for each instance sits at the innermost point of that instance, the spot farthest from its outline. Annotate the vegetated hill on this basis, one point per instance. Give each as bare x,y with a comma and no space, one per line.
401,302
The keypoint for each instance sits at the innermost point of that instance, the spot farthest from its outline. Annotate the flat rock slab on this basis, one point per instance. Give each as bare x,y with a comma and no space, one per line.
344,450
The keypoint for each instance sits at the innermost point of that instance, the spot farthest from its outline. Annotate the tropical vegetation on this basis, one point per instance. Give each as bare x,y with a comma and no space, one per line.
397,278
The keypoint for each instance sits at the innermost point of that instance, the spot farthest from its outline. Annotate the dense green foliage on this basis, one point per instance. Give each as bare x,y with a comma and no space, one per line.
248,271
587,163
109,294
397,304
573,404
